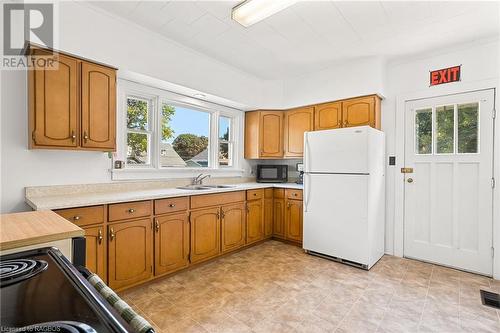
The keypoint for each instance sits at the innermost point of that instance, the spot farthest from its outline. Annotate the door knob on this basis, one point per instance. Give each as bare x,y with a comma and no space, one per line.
410,180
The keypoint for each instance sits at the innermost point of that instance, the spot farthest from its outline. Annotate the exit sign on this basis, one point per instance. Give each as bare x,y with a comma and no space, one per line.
445,75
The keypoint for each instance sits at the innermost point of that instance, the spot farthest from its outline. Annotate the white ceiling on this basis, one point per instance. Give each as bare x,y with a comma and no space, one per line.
312,35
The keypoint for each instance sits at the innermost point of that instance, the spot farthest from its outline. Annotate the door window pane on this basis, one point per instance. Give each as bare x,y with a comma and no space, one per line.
423,131
137,113
445,119
468,126
137,148
184,137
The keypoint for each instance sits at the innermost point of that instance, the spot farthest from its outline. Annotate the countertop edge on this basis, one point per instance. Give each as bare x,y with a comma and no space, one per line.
40,240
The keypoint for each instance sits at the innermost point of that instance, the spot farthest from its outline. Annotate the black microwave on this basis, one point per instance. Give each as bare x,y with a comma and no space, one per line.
272,173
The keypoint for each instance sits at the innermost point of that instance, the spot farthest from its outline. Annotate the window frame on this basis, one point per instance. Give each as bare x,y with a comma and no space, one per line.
230,141
158,97
149,131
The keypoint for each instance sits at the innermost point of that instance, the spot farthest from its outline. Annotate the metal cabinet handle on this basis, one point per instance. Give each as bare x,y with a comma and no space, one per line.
171,205
73,136
345,123
99,236
157,225
85,136
111,234
288,204
131,210
76,217
222,215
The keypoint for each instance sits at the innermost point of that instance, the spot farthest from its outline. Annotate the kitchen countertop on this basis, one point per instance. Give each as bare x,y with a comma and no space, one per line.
48,202
30,228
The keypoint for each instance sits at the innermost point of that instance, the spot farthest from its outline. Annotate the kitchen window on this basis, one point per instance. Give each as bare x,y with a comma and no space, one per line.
174,134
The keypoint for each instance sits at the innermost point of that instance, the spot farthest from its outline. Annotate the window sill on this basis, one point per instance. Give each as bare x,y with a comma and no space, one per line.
171,173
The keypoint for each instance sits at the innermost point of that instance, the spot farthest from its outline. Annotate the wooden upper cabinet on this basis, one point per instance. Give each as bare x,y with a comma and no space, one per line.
129,253
95,250
53,104
171,243
98,106
205,234
328,116
73,105
297,122
361,111
233,227
263,134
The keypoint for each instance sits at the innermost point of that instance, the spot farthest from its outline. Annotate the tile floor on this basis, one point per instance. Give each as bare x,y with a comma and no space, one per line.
275,287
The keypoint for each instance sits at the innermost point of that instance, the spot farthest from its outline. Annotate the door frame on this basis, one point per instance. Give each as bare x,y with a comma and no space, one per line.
398,230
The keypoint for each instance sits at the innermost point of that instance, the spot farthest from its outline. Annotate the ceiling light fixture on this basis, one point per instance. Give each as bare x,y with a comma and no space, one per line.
252,11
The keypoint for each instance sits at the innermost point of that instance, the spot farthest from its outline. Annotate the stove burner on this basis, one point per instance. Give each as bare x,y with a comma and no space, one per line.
13,271
58,326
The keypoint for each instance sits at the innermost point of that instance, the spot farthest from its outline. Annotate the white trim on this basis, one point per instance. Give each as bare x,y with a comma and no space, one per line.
398,235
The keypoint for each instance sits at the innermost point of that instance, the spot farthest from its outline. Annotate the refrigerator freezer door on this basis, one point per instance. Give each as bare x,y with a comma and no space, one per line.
343,150
335,216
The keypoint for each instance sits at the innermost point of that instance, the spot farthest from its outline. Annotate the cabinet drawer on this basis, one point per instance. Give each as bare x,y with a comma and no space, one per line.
129,210
170,205
82,216
207,200
255,194
294,194
279,193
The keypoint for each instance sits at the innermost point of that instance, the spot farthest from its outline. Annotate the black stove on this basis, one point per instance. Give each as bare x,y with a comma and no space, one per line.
41,291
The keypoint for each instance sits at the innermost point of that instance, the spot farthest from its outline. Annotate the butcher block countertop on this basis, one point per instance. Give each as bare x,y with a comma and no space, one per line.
30,228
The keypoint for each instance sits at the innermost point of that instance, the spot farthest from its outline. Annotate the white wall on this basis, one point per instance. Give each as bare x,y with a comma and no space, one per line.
96,35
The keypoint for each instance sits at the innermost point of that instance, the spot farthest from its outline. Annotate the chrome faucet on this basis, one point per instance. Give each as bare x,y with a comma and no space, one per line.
198,180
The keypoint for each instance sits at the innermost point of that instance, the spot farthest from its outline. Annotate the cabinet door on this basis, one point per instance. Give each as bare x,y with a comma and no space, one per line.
95,256
233,226
328,116
255,221
171,243
271,134
129,253
205,234
53,104
293,225
279,218
297,122
361,111
268,217
98,106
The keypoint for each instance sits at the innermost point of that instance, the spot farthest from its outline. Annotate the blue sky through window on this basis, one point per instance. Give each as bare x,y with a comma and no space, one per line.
189,121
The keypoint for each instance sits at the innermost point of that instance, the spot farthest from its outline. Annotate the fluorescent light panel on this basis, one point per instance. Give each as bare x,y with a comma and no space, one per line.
252,11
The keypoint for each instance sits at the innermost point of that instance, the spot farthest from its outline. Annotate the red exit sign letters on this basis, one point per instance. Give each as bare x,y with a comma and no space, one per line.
445,75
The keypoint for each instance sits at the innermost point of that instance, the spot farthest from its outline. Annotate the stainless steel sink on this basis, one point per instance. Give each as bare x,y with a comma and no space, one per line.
194,187
219,186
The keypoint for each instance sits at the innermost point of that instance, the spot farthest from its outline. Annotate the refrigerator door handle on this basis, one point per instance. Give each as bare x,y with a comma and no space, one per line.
306,192
306,153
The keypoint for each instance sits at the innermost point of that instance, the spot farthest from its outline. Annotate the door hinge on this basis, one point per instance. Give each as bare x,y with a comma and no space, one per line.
494,113
493,183
492,252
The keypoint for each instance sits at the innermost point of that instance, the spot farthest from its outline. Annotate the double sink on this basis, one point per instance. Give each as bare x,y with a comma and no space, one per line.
203,187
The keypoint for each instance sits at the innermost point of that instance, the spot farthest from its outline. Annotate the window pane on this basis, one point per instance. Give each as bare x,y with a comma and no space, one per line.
137,148
468,121
445,134
137,113
184,137
224,154
224,124
423,131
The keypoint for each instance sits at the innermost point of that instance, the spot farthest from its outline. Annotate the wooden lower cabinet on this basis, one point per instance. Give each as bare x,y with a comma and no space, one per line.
268,217
95,250
129,253
233,227
279,218
255,221
293,220
171,243
205,234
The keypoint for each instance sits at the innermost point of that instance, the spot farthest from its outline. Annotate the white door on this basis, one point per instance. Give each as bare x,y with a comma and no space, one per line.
449,195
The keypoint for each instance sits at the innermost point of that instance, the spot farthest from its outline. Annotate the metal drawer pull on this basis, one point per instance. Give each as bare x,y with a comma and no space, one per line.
171,205
76,218
111,234
131,210
99,236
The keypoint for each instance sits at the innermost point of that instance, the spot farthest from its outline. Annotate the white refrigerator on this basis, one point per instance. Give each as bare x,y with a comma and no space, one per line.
344,195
